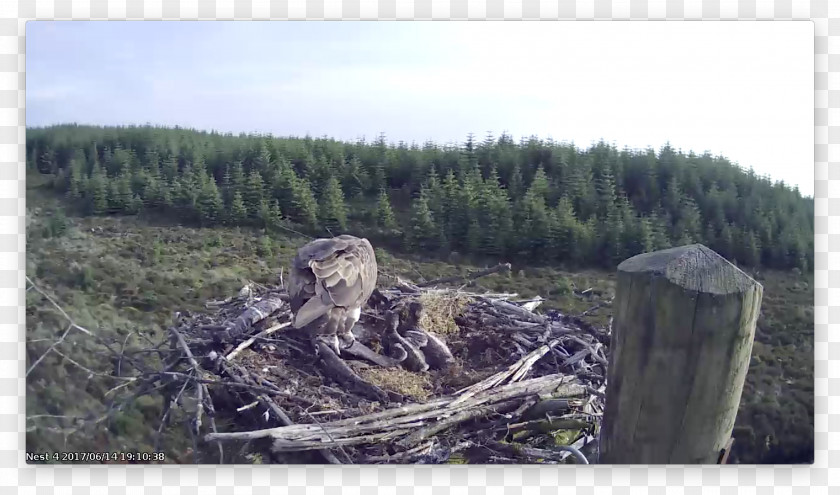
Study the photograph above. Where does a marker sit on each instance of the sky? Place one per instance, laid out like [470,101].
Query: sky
[742,89]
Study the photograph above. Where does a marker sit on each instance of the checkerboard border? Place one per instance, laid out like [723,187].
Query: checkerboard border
[429,479]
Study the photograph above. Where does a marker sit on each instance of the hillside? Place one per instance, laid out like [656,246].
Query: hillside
[118,276]
[548,202]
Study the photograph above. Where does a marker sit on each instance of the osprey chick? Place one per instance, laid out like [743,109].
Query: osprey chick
[329,282]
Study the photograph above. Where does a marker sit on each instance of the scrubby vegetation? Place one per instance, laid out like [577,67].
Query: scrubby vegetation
[127,225]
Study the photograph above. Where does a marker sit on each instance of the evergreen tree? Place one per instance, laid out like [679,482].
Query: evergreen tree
[355,180]
[170,169]
[539,184]
[384,213]
[254,193]
[305,207]
[567,230]
[237,178]
[605,188]
[422,232]
[210,203]
[333,211]
[516,185]
[238,211]
[77,182]
[97,199]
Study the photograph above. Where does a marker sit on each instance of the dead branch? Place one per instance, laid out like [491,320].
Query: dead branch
[500,268]
[244,345]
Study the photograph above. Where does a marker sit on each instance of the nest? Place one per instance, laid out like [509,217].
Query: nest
[519,387]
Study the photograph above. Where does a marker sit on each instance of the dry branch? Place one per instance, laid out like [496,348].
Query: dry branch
[500,268]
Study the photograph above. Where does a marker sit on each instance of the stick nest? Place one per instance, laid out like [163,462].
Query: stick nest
[523,386]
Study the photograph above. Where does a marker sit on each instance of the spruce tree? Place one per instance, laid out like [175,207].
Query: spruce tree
[422,232]
[210,203]
[333,210]
[97,199]
[384,212]
[254,193]
[305,207]
[238,211]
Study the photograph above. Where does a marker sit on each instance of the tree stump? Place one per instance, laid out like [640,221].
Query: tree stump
[682,338]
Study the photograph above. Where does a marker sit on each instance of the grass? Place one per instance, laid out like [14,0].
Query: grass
[123,277]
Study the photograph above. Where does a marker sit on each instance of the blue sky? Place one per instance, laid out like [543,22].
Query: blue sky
[740,89]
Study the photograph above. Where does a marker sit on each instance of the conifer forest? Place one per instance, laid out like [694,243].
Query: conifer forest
[539,200]
[488,199]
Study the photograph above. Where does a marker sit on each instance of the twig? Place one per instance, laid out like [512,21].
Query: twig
[95,373]
[501,267]
[165,416]
[244,345]
[340,447]
[248,406]
[515,372]
[239,376]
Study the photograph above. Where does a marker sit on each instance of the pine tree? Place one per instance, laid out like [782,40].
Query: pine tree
[605,187]
[567,228]
[275,215]
[262,160]
[724,244]
[422,233]
[539,184]
[238,211]
[610,236]
[750,251]
[450,196]
[516,185]
[384,212]
[333,210]
[78,181]
[283,185]
[494,217]
[254,193]
[119,193]
[186,192]
[97,199]
[170,169]
[237,178]
[210,203]
[305,209]
[637,236]
[355,180]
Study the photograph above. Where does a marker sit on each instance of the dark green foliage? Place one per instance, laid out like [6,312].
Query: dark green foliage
[333,211]
[238,211]
[384,212]
[422,233]
[540,199]
[253,193]
[304,205]
[210,203]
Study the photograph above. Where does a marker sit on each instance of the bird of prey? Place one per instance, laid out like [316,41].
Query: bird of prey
[329,282]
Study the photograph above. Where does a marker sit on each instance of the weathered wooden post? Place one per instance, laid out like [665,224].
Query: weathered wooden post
[682,337]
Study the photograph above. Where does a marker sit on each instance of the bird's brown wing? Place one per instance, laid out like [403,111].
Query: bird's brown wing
[330,273]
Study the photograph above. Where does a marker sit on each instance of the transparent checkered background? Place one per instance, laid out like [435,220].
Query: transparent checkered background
[16,474]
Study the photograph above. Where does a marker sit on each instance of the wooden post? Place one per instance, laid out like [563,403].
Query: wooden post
[682,337]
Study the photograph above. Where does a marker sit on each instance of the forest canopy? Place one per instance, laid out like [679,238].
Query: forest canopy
[537,200]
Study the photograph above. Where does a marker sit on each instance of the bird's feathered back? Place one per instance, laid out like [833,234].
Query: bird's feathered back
[338,272]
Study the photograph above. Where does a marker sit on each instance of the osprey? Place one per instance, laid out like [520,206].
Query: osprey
[330,280]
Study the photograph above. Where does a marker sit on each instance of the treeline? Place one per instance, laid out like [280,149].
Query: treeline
[536,200]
